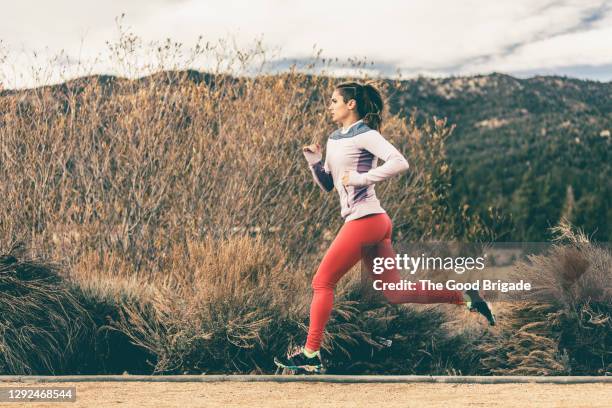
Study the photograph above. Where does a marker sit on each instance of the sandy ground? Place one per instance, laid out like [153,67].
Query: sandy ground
[225,394]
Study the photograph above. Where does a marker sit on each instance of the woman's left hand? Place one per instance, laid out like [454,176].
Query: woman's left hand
[352,178]
[345,179]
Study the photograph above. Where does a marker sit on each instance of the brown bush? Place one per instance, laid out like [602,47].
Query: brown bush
[564,326]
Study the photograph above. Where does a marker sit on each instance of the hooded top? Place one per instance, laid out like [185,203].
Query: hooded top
[356,150]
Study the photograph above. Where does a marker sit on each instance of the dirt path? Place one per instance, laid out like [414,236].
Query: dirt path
[253,395]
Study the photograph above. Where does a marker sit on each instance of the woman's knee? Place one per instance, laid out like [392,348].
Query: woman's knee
[320,282]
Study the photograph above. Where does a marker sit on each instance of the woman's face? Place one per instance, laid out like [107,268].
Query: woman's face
[339,109]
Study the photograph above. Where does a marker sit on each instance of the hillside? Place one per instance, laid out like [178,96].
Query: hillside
[535,148]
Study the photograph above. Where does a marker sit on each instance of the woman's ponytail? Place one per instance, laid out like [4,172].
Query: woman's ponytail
[374,105]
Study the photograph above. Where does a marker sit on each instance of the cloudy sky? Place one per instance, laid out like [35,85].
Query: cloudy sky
[417,37]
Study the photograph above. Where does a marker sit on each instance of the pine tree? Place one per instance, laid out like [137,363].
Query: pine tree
[567,211]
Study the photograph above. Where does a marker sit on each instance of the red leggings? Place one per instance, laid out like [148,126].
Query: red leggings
[373,231]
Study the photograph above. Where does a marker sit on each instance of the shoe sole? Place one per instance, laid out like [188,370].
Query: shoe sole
[308,369]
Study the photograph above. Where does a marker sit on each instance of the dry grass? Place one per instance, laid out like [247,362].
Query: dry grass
[565,325]
[41,322]
[526,343]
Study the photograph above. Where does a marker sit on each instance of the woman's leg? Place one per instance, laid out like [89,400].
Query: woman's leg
[341,256]
[384,249]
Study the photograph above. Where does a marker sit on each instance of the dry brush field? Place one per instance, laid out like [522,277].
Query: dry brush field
[169,224]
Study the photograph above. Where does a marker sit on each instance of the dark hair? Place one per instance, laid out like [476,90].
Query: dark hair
[368,99]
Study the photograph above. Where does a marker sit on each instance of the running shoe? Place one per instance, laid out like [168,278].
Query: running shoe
[475,303]
[299,363]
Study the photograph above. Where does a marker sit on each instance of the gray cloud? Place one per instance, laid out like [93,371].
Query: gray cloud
[428,37]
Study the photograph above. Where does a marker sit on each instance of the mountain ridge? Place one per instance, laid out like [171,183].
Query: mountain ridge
[523,146]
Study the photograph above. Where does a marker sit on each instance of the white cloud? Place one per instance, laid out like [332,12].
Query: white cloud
[443,36]
[589,47]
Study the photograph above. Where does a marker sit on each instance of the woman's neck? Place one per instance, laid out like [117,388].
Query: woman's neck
[346,125]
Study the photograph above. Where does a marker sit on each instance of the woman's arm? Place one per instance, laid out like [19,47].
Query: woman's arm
[395,162]
[320,171]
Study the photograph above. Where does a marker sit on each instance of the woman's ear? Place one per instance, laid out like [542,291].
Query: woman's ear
[351,104]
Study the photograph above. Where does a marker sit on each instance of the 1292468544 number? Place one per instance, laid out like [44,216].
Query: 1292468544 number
[14,394]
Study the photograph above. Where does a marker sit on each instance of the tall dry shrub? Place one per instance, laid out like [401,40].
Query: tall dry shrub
[131,167]
[226,304]
[41,322]
[564,326]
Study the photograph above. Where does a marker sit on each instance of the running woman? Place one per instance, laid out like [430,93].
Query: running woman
[351,167]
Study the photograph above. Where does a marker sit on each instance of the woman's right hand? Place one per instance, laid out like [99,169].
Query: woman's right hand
[313,148]
[312,153]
